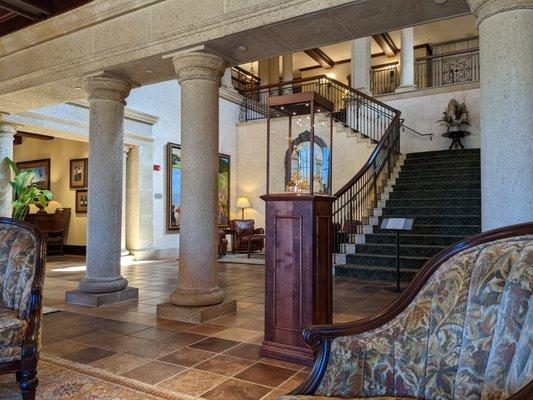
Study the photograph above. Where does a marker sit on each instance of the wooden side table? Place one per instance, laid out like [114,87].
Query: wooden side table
[456,137]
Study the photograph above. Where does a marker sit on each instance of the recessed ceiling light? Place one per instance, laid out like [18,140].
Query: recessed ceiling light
[439,1]
[242,47]
[149,71]
[78,88]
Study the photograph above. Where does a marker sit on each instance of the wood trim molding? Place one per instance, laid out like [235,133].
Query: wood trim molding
[385,42]
[320,57]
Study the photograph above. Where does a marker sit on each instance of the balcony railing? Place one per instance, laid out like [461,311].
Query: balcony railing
[447,68]
[243,80]
[384,80]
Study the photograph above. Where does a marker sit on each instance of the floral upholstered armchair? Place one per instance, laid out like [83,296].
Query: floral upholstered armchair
[463,329]
[21,280]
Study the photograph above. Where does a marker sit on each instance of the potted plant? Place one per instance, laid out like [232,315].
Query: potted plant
[454,116]
[26,192]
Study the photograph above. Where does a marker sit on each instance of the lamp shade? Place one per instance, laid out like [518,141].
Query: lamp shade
[243,202]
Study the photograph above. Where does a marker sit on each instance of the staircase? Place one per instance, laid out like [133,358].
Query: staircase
[441,190]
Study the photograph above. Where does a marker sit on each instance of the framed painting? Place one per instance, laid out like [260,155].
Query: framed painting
[82,200]
[41,169]
[174,187]
[79,172]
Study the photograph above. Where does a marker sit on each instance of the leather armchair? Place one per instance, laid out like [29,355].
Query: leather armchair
[222,243]
[244,228]
[462,329]
[54,228]
[22,255]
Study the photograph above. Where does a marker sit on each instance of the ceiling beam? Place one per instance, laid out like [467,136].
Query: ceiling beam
[320,57]
[386,43]
[39,6]
[23,12]
[34,135]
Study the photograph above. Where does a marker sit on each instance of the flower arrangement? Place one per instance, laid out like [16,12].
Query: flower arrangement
[297,183]
[455,115]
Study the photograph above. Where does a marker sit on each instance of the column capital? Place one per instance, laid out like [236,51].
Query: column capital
[107,87]
[7,130]
[199,65]
[126,149]
[484,9]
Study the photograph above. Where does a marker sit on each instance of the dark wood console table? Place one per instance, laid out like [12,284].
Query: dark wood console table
[456,137]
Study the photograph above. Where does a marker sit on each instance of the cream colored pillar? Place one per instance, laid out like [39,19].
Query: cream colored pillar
[274,70]
[506,84]
[103,282]
[287,72]
[407,61]
[263,70]
[7,133]
[123,250]
[360,67]
[198,296]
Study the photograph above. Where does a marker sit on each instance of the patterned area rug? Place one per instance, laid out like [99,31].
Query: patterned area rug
[61,379]
[255,259]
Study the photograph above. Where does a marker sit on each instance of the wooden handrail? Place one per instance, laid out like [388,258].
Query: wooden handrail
[450,53]
[248,73]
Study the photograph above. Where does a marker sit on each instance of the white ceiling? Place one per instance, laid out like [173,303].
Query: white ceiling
[434,32]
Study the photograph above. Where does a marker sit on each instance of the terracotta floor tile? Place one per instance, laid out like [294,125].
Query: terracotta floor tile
[88,355]
[282,364]
[153,372]
[64,347]
[234,389]
[127,328]
[206,329]
[215,345]
[224,365]
[98,338]
[119,363]
[153,333]
[193,382]
[239,334]
[187,357]
[245,350]
[273,395]
[182,339]
[264,374]
[293,382]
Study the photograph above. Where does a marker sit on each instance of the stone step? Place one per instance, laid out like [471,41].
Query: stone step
[434,202]
[384,260]
[405,250]
[436,194]
[373,272]
[413,239]
[436,229]
[441,153]
[446,220]
[451,185]
[448,172]
[420,211]
[451,160]
[407,180]
[441,165]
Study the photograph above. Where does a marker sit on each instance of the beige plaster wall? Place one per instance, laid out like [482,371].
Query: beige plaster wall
[60,151]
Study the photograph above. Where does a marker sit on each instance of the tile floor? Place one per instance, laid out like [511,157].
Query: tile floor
[215,360]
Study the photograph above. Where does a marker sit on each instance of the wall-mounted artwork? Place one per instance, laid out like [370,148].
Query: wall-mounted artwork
[174,187]
[41,169]
[82,200]
[79,172]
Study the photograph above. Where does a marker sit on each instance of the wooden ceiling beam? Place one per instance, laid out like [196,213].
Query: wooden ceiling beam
[384,40]
[23,12]
[34,135]
[320,57]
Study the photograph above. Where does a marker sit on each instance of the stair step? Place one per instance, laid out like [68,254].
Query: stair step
[407,180]
[405,250]
[442,159]
[441,165]
[441,211]
[434,202]
[385,260]
[448,172]
[436,193]
[446,220]
[436,185]
[441,153]
[442,229]
[413,239]
[373,272]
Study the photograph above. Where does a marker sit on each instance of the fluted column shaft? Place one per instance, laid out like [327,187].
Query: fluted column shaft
[360,67]
[506,85]
[106,142]
[6,150]
[407,61]
[199,76]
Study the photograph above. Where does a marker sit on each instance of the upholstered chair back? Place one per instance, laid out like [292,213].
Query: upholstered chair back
[242,226]
[467,335]
[17,267]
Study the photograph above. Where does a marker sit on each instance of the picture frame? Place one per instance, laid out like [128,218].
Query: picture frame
[174,187]
[41,168]
[82,199]
[79,173]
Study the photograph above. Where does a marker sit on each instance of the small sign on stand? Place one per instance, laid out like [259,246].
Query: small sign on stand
[398,225]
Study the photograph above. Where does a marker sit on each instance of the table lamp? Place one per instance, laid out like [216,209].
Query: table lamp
[243,203]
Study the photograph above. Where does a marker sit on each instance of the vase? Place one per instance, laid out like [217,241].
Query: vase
[454,128]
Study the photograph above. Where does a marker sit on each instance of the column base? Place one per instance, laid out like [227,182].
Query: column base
[102,285]
[80,298]
[406,88]
[285,352]
[143,254]
[197,315]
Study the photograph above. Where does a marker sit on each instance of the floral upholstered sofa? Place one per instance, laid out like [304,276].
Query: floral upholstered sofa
[463,329]
[21,280]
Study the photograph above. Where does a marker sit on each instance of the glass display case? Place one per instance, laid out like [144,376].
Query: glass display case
[299,144]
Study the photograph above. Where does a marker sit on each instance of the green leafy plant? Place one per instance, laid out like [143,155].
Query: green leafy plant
[455,114]
[26,192]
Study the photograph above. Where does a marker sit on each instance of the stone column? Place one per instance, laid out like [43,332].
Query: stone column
[103,283]
[407,61]
[274,70]
[263,70]
[361,57]
[198,296]
[287,71]
[226,78]
[6,150]
[506,84]
[123,250]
